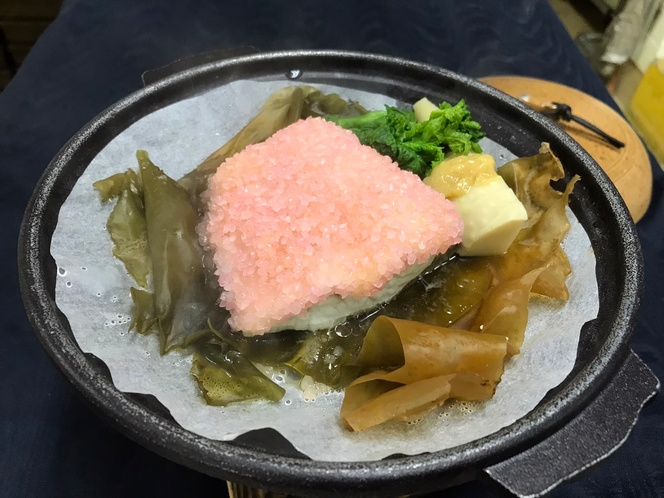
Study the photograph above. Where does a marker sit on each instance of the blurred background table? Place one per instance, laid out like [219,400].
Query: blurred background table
[94,53]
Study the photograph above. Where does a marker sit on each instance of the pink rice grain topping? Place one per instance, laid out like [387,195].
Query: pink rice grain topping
[310,213]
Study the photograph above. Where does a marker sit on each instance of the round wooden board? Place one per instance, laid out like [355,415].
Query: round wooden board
[628,167]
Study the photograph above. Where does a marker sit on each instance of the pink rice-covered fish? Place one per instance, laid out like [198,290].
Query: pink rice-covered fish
[311,226]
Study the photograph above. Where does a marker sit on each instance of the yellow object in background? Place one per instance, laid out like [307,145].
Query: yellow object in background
[647,108]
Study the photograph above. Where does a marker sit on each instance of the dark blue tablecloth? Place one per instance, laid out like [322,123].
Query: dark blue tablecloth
[94,54]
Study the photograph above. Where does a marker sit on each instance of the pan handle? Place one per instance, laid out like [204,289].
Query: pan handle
[600,429]
[153,75]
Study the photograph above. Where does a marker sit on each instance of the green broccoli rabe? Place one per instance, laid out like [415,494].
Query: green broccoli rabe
[417,147]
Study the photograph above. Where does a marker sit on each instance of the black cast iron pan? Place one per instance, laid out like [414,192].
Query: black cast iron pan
[575,426]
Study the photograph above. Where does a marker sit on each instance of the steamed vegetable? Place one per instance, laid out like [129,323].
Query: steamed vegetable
[417,147]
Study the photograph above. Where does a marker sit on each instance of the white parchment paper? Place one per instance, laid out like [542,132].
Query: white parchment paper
[92,290]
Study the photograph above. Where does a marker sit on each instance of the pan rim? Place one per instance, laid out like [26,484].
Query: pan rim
[253,467]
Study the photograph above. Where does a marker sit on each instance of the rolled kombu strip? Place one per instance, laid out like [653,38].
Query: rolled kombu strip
[504,311]
[419,366]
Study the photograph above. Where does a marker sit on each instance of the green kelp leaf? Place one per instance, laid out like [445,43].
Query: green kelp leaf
[111,187]
[327,355]
[182,296]
[224,376]
[127,226]
[144,317]
[318,104]
[128,230]
[268,349]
